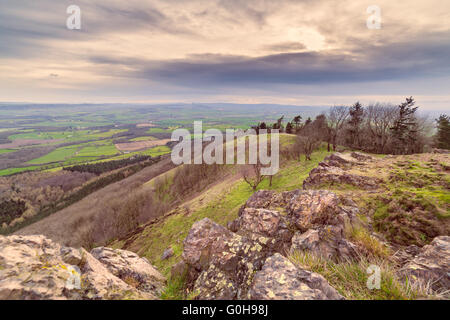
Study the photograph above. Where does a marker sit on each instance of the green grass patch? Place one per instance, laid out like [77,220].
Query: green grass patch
[67,136]
[98,151]
[60,154]
[159,130]
[156,151]
[7,172]
[3,151]
[350,278]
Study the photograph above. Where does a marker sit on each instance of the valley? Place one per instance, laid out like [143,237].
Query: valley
[117,186]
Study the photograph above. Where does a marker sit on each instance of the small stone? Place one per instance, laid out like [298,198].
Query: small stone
[167,253]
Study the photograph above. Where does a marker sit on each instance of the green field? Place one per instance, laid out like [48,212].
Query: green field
[67,136]
[7,172]
[59,154]
[3,151]
[146,138]
[87,133]
[159,130]
[68,156]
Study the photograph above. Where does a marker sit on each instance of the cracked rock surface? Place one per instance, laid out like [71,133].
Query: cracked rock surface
[34,267]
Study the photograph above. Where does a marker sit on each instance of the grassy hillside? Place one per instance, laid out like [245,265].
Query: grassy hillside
[410,205]
[220,203]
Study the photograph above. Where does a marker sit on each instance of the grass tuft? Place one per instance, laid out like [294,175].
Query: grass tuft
[350,278]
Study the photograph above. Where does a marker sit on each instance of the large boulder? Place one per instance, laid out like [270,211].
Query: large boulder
[225,265]
[431,265]
[34,267]
[131,268]
[316,208]
[264,199]
[256,224]
[221,261]
[280,279]
[31,268]
[98,283]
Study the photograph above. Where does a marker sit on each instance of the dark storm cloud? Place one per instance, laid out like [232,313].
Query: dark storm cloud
[394,61]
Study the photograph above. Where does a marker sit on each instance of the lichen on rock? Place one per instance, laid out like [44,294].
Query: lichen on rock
[34,267]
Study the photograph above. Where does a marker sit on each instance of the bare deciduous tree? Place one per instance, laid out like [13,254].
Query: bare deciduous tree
[336,117]
[252,175]
[309,139]
[379,118]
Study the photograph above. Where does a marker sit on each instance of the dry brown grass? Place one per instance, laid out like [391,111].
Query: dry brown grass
[73,225]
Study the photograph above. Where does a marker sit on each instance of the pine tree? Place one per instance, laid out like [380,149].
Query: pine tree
[354,124]
[288,127]
[297,120]
[404,131]
[279,124]
[443,132]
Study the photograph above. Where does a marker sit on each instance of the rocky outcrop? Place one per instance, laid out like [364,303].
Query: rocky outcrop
[361,156]
[332,171]
[280,279]
[431,264]
[248,260]
[34,267]
[404,255]
[225,265]
[316,208]
[131,268]
[303,209]
[221,263]
[338,159]
[257,224]
[327,242]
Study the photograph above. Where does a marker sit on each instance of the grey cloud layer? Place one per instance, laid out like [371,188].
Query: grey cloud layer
[419,58]
[34,29]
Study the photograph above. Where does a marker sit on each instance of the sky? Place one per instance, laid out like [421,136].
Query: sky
[300,52]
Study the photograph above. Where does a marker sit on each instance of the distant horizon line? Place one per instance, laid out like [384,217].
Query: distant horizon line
[160,103]
[4,103]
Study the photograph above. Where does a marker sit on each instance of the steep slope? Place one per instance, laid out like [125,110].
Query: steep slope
[314,244]
[318,234]
[71,225]
[220,202]
[361,185]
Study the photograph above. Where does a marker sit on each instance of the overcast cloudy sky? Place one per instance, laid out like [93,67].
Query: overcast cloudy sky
[304,52]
